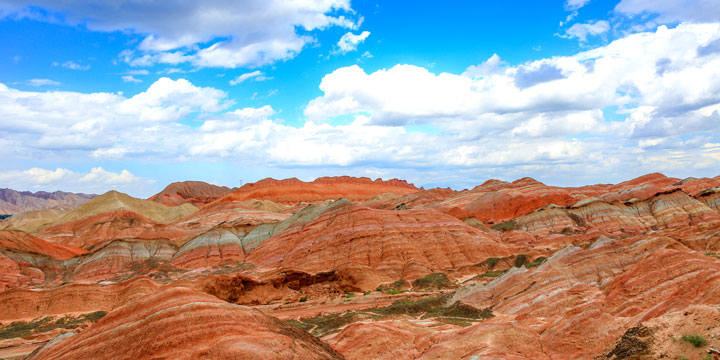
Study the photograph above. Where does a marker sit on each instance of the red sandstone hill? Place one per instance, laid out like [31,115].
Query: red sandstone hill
[197,193]
[385,244]
[290,191]
[180,323]
[18,240]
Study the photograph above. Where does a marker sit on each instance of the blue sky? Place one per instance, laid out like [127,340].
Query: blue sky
[133,96]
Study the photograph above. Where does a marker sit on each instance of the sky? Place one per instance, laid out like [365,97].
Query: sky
[133,95]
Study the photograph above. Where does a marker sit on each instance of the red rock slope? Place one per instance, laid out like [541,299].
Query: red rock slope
[400,244]
[22,241]
[180,323]
[197,193]
[290,191]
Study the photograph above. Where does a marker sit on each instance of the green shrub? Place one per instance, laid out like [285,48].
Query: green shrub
[434,280]
[303,299]
[41,325]
[506,226]
[520,260]
[491,274]
[536,262]
[489,262]
[695,340]
[395,291]
[349,294]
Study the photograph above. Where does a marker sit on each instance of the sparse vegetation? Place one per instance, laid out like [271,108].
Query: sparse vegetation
[395,291]
[395,287]
[4,216]
[537,262]
[431,307]
[349,294]
[490,274]
[713,254]
[489,262]
[520,260]
[506,226]
[303,299]
[41,325]
[434,280]
[695,340]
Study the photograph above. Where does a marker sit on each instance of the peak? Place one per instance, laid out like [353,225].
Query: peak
[527,181]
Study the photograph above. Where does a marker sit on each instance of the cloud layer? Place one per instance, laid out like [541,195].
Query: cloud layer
[203,33]
[647,102]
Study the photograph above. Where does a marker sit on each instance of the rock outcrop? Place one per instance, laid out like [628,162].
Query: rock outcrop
[197,193]
[180,323]
[292,191]
[404,244]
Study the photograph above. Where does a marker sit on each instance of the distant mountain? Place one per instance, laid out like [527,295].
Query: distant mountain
[13,201]
[292,191]
[197,193]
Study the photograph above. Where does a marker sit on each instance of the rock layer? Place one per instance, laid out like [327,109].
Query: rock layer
[291,191]
[197,193]
[179,323]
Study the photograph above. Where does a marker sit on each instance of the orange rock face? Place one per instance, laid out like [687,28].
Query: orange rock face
[22,241]
[197,193]
[291,191]
[403,244]
[98,228]
[179,323]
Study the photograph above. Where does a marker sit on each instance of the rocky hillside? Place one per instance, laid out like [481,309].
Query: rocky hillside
[505,270]
[13,202]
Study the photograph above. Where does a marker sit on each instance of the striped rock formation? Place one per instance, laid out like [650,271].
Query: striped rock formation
[403,244]
[197,193]
[291,191]
[180,323]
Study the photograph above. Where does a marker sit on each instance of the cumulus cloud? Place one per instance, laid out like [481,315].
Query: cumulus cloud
[349,42]
[130,79]
[492,66]
[581,31]
[204,33]
[572,5]
[617,109]
[672,11]
[96,180]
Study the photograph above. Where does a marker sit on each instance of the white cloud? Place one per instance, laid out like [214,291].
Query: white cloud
[581,31]
[671,10]
[100,175]
[130,78]
[239,33]
[492,66]
[349,42]
[72,65]
[257,75]
[572,5]
[97,180]
[138,72]
[42,82]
